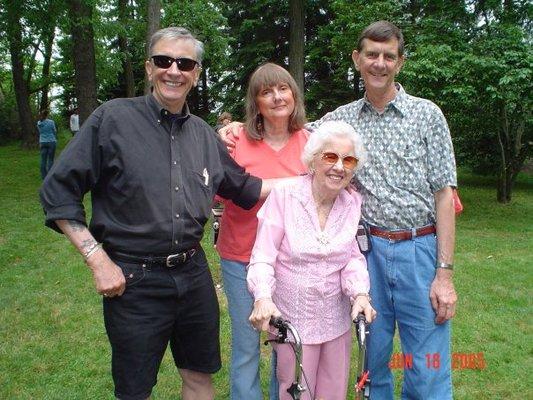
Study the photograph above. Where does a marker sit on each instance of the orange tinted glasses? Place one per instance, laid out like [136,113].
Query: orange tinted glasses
[348,162]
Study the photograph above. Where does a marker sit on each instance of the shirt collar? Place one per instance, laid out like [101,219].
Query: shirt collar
[304,193]
[159,113]
[398,103]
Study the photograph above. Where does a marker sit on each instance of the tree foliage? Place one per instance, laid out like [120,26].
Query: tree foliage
[204,19]
[473,58]
[481,75]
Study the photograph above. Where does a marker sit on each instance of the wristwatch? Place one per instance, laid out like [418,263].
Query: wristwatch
[442,264]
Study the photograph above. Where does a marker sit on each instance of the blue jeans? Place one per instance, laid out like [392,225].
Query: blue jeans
[273,390]
[48,151]
[401,273]
[244,339]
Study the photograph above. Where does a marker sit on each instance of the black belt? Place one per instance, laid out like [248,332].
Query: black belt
[170,261]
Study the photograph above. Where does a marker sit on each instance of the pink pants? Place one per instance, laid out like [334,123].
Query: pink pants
[326,367]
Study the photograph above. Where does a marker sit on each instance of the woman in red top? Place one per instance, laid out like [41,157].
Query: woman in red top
[270,147]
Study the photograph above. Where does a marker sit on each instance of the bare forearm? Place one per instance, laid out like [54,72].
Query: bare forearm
[78,234]
[108,277]
[445,225]
[442,293]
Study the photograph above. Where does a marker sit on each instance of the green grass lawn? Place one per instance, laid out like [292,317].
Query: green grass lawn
[53,343]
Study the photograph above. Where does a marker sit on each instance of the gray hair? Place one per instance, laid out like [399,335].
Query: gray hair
[176,33]
[326,133]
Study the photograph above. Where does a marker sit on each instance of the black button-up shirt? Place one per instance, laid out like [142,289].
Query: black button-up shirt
[152,176]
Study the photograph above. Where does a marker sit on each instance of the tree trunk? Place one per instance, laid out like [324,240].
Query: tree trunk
[193,101]
[503,194]
[522,145]
[14,33]
[297,41]
[30,66]
[48,41]
[504,187]
[515,150]
[154,19]
[129,81]
[83,56]
[205,94]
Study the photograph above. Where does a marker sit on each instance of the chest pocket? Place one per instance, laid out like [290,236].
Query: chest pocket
[409,165]
[198,194]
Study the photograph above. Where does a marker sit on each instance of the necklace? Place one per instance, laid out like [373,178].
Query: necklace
[322,237]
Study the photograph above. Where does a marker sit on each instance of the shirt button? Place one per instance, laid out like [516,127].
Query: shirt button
[177,215]
[174,162]
[172,137]
[175,242]
[176,188]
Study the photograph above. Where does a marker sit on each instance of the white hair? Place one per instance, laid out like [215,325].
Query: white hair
[176,33]
[326,133]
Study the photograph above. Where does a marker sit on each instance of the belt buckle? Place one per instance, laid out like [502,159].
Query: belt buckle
[179,257]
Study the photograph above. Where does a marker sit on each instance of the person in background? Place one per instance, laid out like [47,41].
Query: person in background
[272,142]
[74,122]
[306,265]
[47,141]
[223,119]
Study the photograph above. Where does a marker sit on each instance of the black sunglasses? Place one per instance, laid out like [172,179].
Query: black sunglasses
[165,62]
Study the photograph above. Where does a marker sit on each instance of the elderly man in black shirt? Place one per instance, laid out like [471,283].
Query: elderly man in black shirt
[152,169]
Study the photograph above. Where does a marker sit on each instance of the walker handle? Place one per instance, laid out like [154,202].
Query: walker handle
[276,322]
[361,328]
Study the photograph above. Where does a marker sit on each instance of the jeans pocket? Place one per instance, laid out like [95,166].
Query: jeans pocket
[134,273]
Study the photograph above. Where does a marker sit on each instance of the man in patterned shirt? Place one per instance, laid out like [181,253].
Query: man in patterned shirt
[408,207]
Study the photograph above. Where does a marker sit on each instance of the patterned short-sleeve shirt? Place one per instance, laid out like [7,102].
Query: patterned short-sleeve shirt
[410,157]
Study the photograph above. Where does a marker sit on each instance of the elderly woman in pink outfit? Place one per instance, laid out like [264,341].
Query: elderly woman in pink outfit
[306,265]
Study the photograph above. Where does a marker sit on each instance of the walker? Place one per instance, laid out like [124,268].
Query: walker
[362,386]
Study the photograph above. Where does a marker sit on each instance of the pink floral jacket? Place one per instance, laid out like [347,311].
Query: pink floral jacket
[309,274]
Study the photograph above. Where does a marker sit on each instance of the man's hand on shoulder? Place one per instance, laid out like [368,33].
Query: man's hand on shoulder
[108,277]
[443,296]
[230,134]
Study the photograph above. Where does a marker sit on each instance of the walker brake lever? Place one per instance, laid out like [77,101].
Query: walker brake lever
[281,334]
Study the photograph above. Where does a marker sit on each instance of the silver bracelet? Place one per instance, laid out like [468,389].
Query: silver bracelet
[93,249]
